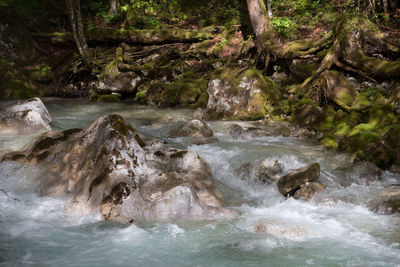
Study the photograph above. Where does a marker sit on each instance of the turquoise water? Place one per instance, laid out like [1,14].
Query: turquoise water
[338,229]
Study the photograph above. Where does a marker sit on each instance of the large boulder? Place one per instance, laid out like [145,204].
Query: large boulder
[237,95]
[111,169]
[294,179]
[25,117]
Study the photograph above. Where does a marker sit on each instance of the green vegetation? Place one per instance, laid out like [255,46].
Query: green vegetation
[323,64]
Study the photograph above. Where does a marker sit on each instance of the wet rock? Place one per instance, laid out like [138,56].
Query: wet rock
[235,131]
[25,117]
[280,229]
[270,170]
[111,169]
[294,179]
[277,128]
[395,168]
[387,201]
[194,128]
[304,133]
[201,114]
[308,190]
[368,170]
[246,171]
[256,132]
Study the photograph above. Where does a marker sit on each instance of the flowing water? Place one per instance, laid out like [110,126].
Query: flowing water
[336,228]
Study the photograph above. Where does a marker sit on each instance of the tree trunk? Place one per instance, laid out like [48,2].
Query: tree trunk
[258,17]
[262,27]
[114,7]
[74,12]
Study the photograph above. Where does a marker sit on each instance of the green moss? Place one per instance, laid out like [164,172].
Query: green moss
[140,94]
[330,142]
[118,124]
[147,36]
[364,127]
[110,71]
[270,90]
[352,22]
[42,73]
[181,92]
[202,101]
[139,141]
[108,98]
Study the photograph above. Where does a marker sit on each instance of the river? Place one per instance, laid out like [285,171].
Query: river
[338,228]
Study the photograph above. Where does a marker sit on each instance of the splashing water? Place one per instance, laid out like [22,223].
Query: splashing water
[336,228]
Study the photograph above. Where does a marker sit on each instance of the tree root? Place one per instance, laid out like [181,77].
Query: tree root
[301,48]
[347,53]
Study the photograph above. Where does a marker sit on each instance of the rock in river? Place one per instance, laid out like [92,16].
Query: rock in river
[294,179]
[194,128]
[308,190]
[25,117]
[270,170]
[111,169]
[280,229]
[387,201]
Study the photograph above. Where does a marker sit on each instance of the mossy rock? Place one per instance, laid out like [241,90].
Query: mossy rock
[180,92]
[108,98]
[245,95]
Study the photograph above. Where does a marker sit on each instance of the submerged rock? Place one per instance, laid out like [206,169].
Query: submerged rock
[110,168]
[294,179]
[280,229]
[25,117]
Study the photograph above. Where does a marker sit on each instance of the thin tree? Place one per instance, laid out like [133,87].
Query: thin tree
[114,7]
[74,12]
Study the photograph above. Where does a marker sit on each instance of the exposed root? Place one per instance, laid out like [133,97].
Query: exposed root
[301,48]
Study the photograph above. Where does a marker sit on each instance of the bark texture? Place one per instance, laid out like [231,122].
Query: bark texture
[74,12]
